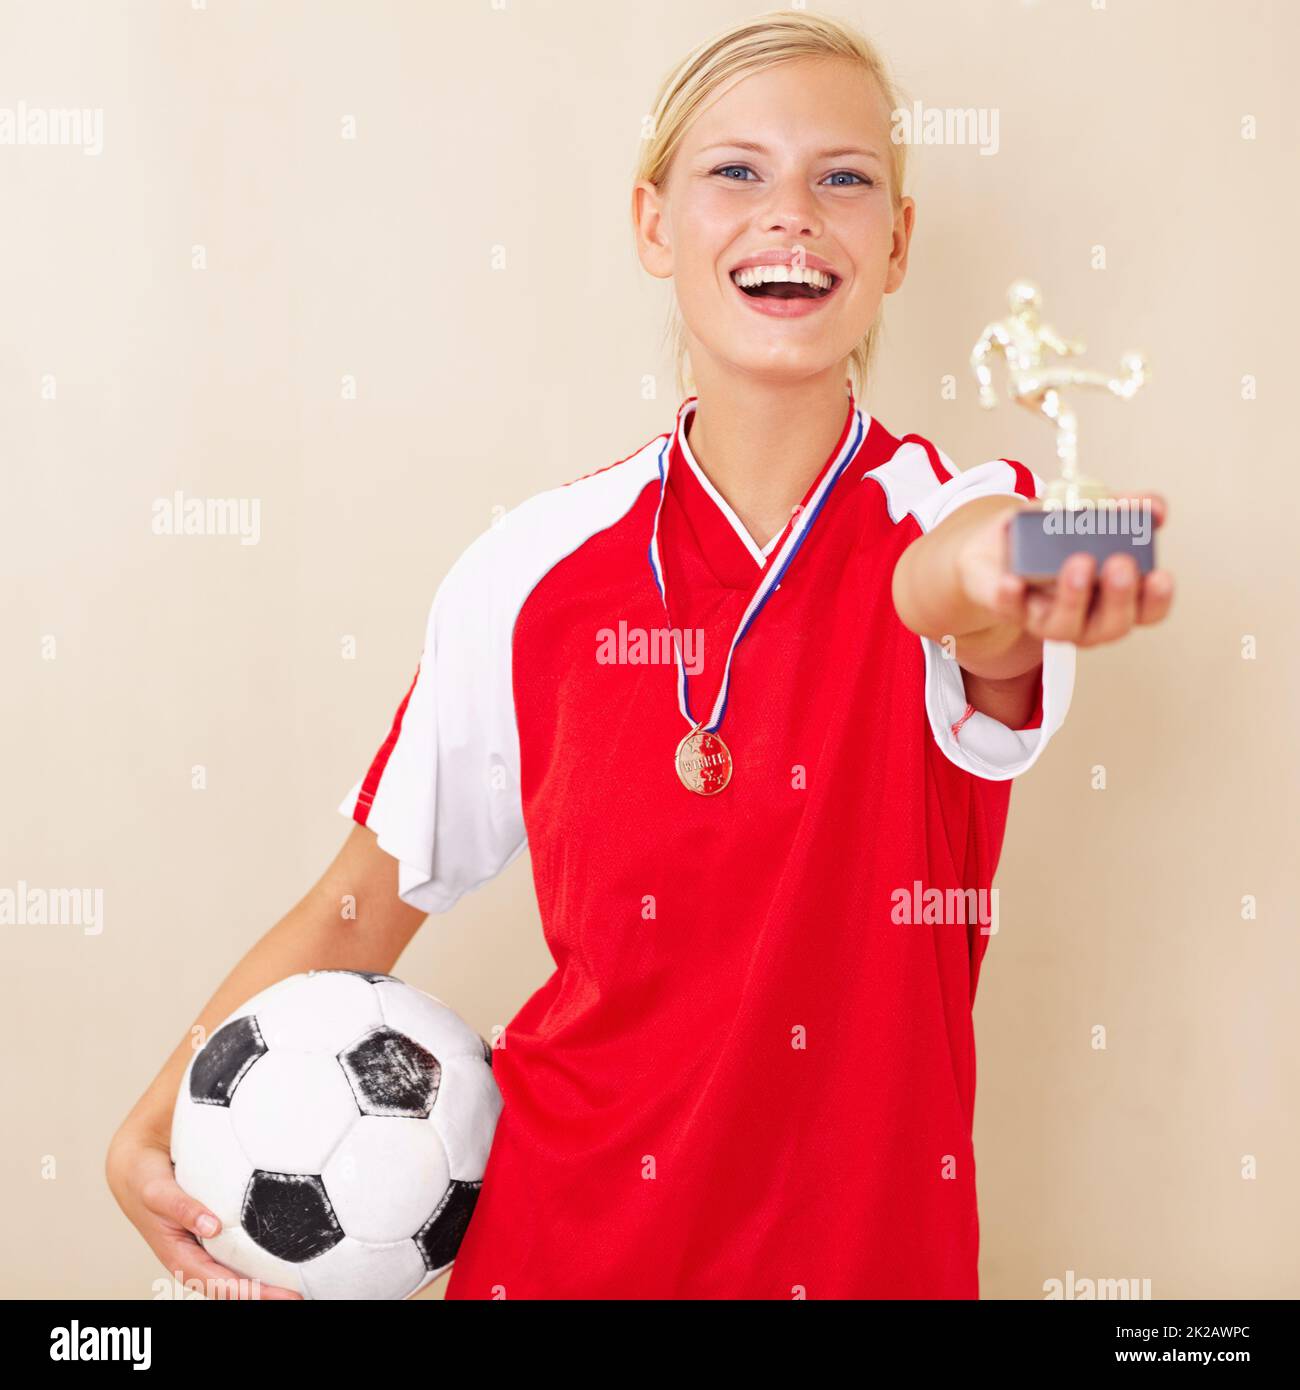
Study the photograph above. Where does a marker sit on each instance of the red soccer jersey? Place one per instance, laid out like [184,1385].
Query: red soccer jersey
[752,1073]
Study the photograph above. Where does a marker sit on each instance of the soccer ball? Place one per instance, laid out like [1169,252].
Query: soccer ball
[339,1125]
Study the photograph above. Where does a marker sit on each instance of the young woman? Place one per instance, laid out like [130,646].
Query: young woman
[752,1073]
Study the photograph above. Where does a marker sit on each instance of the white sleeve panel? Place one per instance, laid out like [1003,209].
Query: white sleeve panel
[446,802]
[980,744]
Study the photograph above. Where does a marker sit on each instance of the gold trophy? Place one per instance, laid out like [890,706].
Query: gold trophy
[1077,514]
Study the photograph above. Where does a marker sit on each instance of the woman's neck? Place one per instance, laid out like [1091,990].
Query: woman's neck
[762,446]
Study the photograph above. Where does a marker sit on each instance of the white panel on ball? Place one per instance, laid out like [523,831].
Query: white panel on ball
[233,1247]
[321,1012]
[410,1155]
[210,1161]
[466,1115]
[291,1110]
[355,1270]
[428,1020]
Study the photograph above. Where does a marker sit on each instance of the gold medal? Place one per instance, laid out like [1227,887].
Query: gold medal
[703,762]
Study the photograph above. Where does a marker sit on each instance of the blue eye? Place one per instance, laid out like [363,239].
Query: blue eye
[841,178]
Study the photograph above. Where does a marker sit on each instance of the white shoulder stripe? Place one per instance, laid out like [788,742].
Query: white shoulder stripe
[911,488]
[536,535]
[907,478]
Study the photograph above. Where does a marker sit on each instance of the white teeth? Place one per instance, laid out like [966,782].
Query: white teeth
[776,274]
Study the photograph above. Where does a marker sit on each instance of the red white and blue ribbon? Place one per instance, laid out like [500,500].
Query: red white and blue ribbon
[773,572]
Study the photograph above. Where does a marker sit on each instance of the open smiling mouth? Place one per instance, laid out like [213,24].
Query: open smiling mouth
[784,282]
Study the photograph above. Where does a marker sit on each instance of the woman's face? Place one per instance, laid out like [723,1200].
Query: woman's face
[789,166]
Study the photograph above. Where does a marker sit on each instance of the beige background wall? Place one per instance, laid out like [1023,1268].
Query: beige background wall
[479,128]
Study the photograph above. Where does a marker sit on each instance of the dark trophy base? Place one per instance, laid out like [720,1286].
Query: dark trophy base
[1042,539]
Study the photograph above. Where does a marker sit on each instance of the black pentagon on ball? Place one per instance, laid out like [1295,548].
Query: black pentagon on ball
[487,1051]
[439,1238]
[391,1074]
[225,1060]
[289,1216]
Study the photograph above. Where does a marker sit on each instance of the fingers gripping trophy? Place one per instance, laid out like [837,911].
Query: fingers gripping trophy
[1078,513]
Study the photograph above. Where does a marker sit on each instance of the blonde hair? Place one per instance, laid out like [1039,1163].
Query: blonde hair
[749,47]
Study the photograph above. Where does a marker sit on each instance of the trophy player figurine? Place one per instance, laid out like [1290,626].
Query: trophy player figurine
[1071,520]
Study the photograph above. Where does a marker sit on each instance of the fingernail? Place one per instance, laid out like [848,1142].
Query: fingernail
[1078,576]
[207,1225]
[1121,576]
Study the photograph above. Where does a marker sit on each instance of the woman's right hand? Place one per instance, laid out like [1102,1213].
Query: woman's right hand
[140,1176]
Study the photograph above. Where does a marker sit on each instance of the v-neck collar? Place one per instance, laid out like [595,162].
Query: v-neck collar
[759,553]
[734,556]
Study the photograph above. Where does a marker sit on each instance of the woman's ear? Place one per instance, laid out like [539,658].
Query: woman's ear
[650,221]
[904,221]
